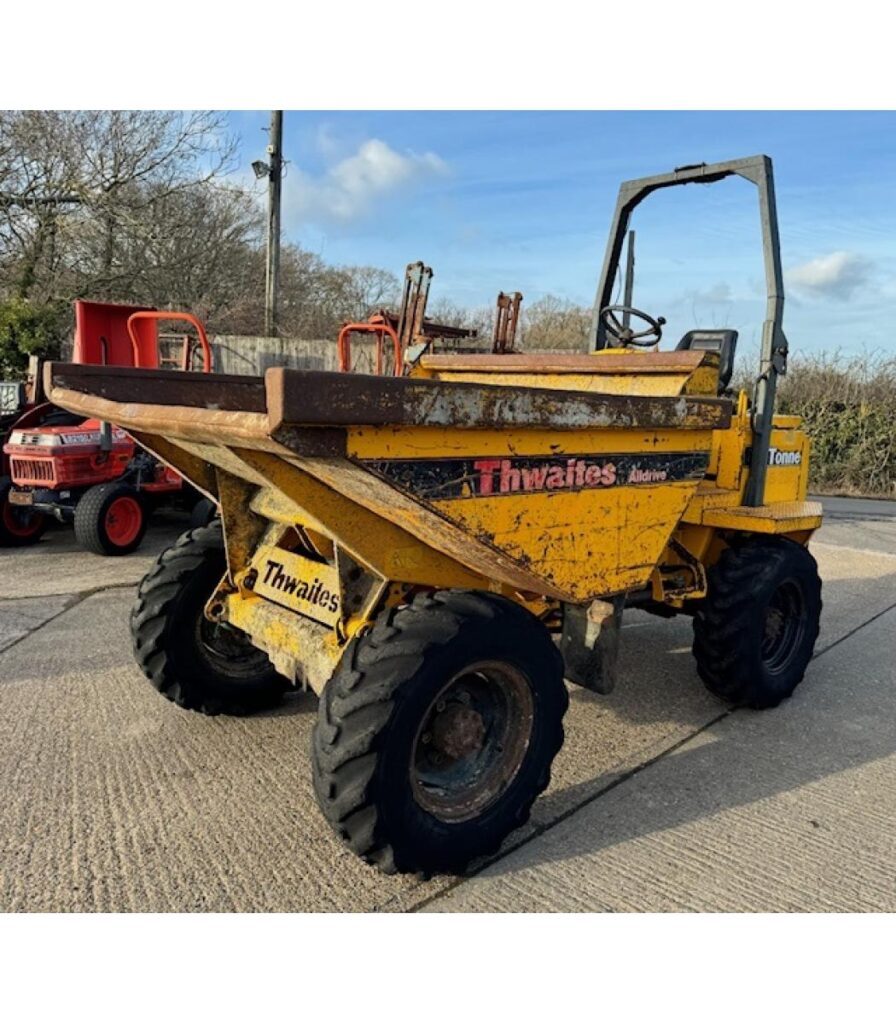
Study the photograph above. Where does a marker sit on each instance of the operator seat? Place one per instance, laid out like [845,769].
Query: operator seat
[723,342]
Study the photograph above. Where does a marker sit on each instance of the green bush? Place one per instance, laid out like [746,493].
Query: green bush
[848,406]
[30,329]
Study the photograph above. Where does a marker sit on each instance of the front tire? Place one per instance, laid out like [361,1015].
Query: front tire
[438,730]
[110,519]
[756,630]
[198,664]
[19,525]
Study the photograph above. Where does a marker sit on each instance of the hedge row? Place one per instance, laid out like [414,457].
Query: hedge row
[848,405]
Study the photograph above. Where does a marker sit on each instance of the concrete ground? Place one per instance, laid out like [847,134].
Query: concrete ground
[661,799]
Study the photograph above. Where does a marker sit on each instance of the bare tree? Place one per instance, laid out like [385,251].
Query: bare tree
[555,324]
[76,185]
[368,289]
[478,318]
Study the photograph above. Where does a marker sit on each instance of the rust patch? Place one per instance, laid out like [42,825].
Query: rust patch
[313,398]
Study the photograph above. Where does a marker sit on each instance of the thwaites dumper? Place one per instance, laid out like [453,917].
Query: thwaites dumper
[88,471]
[433,554]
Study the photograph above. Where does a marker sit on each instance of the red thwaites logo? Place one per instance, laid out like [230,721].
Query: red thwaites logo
[501,476]
[487,476]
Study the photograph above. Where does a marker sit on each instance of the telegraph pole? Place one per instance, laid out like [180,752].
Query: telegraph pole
[272,268]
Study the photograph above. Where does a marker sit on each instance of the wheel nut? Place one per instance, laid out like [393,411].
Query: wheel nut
[440,706]
[426,737]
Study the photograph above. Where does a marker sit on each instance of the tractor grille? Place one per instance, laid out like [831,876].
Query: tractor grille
[66,470]
[27,471]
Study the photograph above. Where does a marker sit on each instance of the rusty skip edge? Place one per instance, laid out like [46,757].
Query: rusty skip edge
[291,399]
[127,385]
[311,398]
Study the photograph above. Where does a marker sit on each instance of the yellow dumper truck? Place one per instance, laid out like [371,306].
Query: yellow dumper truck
[433,554]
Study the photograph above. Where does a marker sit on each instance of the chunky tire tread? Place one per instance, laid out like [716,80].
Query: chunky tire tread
[726,625]
[90,514]
[374,676]
[155,609]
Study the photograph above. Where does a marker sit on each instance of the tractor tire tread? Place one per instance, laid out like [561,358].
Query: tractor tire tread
[89,531]
[149,618]
[721,646]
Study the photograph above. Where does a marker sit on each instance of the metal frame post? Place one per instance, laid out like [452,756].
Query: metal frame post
[773,359]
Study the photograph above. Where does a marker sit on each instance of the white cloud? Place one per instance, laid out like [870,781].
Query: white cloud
[720,292]
[836,275]
[348,189]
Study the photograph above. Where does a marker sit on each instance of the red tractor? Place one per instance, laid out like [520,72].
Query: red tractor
[87,472]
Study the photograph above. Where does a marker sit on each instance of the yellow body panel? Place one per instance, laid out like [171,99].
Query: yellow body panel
[584,541]
[325,526]
[299,648]
[611,371]
[780,517]
[443,442]
[701,382]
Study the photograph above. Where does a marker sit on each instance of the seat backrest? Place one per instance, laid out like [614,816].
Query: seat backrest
[724,342]
[12,398]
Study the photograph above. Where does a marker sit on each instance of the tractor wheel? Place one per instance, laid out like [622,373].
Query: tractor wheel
[756,629]
[19,525]
[202,513]
[437,731]
[198,664]
[110,519]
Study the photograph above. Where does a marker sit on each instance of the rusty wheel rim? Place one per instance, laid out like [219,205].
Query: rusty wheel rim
[472,741]
[784,624]
[228,650]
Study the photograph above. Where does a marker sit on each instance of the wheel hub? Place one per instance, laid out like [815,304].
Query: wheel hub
[783,625]
[123,520]
[458,731]
[472,741]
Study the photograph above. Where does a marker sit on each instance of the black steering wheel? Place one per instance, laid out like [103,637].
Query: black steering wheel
[625,335]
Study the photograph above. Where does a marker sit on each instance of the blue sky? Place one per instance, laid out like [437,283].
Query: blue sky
[522,201]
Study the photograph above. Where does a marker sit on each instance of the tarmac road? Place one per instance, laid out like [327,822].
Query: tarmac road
[661,799]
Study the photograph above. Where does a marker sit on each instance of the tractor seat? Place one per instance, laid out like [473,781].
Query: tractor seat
[723,342]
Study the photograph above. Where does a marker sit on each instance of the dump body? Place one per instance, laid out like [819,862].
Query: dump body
[339,492]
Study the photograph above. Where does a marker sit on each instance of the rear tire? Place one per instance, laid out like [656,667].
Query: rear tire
[756,630]
[438,730]
[202,513]
[195,663]
[110,519]
[19,526]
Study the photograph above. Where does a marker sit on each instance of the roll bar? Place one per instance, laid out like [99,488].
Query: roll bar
[773,360]
[162,314]
[379,326]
